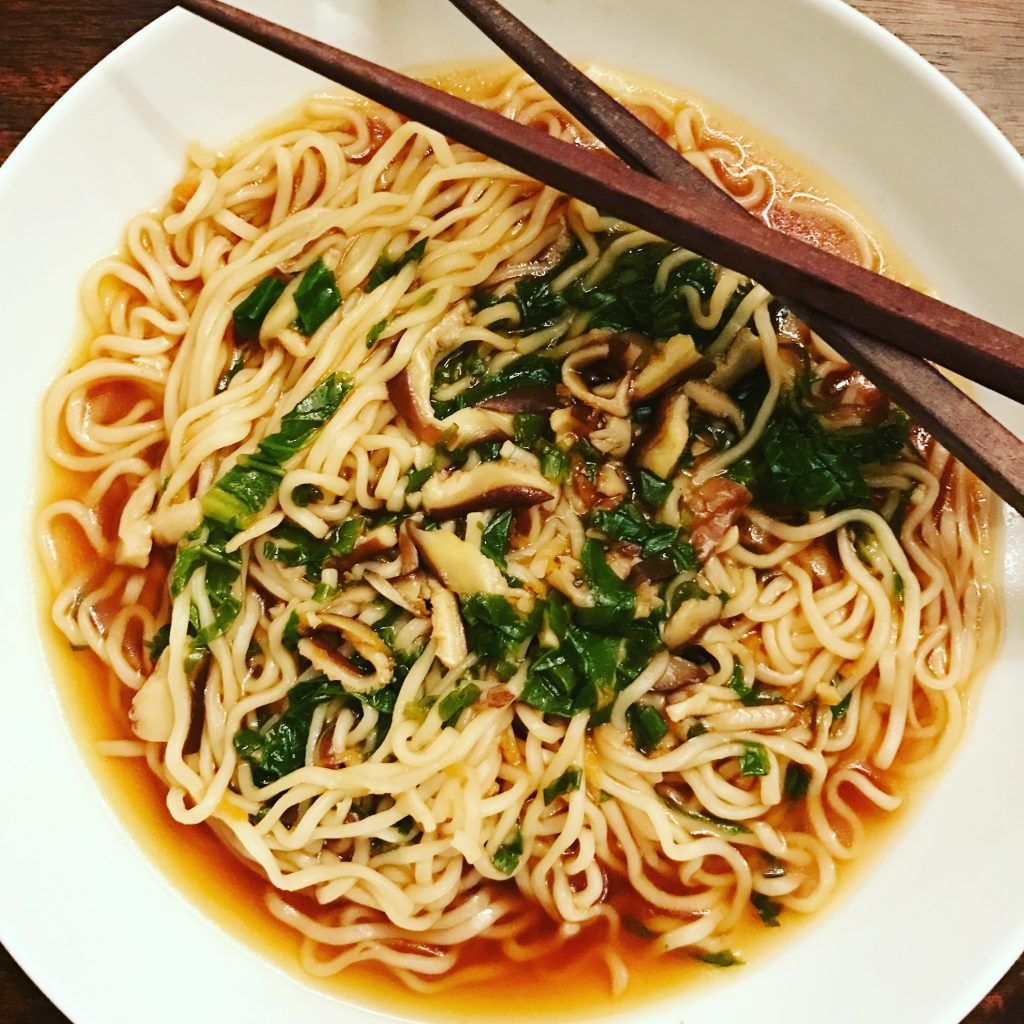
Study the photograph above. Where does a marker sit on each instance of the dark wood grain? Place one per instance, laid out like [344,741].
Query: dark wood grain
[46,45]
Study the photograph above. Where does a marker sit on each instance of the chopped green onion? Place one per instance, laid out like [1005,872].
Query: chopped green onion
[567,782]
[554,463]
[374,333]
[506,857]
[453,703]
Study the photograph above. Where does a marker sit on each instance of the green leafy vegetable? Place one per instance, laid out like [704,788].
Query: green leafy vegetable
[839,710]
[494,628]
[537,303]
[225,612]
[306,494]
[800,465]
[653,490]
[718,824]
[294,546]
[386,267]
[554,463]
[402,829]
[767,909]
[614,603]
[527,371]
[627,523]
[530,427]
[205,548]
[374,333]
[754,760]
[316,297]
[279,747]
[796,782]
[418,477]
[627,298]
[567,782]
[507,856]
[237,363]
[158,644]
[291,634]
[494,541]
[454,702]
[249,314]
[465,361]
[751,696]
[648,727]
[723,958]
[242,493]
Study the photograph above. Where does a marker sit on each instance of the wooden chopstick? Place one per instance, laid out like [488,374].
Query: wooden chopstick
[697,219]
[787,266]
[993,453]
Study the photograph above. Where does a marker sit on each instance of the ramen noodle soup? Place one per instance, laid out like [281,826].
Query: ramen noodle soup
[500,583]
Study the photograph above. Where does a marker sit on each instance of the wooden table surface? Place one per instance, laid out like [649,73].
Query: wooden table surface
[46,45]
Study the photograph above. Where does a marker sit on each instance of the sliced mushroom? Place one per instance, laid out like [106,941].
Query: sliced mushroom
[677,359]
[743,356]
[689,619]
[499,697]
[197,715]
[715,403]
[403,592]
[472,426]
[172,522]
[447,626]
[573,422]
[613,437]
[152,710]
[458,565]
[409,392]
[407,554]
[489,485]
[610,400]
[135,530]
[666,443]
[371,544]
[326,658]
[679,672]
[532,399]
[610,481]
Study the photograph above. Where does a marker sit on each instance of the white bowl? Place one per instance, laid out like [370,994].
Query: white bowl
[938,917]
